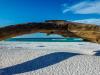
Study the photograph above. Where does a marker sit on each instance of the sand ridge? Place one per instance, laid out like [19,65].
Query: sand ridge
[43,58]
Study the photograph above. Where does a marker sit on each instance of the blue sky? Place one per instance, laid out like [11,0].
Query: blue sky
[21,11]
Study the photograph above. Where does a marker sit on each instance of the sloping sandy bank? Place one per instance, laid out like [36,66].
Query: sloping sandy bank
[43,61]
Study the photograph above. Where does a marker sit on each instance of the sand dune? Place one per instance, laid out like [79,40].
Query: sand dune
[49,58]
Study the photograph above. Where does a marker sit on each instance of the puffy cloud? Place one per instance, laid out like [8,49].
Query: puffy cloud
[89,21]
[85,7]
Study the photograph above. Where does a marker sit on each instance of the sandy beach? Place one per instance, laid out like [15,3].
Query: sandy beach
[49,58]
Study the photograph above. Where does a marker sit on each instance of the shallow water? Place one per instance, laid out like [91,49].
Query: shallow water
[46,39]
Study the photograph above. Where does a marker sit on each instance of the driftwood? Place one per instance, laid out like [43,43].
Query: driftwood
[87,32]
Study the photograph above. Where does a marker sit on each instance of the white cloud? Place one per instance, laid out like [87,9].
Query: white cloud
[85,7]
[89,21]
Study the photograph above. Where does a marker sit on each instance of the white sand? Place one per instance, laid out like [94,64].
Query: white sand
[51,58]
